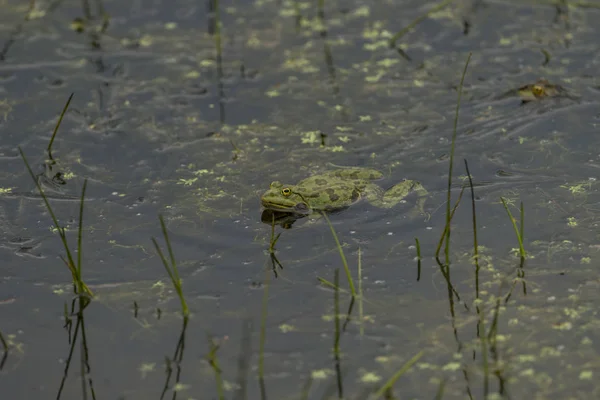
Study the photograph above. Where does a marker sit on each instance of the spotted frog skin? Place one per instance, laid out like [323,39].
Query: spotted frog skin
[339,189]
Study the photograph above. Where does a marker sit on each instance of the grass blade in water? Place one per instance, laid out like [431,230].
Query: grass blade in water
[342,256]
[172,270]
[388,385]
[62,114]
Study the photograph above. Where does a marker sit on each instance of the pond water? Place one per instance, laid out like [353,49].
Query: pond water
[189,109]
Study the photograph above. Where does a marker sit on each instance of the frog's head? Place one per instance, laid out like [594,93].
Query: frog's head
[282,197]
[538,90]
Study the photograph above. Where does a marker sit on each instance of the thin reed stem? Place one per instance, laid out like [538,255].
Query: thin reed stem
[336,311]
[390,382]
[418,245]
[475,243]
[171,269]
[62,114]
[417,21]
[342,256]
[263,328]
[518,231]
[3,341]
[360,296]
[336,337]
[75,271]
[214,363]
[80,230]
[484,353]
[451,164]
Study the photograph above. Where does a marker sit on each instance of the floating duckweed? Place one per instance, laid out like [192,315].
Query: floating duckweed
[158,284]
[321,373]
[502,338]
[273,93]
[311,137]
[316,24]
[523,358]
[370,377]
[59,291]
[586,375]
[207,63]
[548,351]
[364,118]
[578,188]
[171,26]
[453,366]
[571,313]
[253,41]
[343,128]
[5,190]
[362,11]
[380,44]
[146,41]
[572,222]
[527,372]
[300,64]
[192,75]
[36,13]
[586,341]
[373,33]
[563,326]
[344,139]
[388,62]
[287,12]
[285,328]
[187,182]
[178,387]
[327,318]
[374,78]
[145,368]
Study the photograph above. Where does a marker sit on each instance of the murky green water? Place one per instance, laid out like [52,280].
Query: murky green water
[162,122]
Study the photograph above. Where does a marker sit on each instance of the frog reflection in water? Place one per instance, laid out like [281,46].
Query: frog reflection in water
[338,189]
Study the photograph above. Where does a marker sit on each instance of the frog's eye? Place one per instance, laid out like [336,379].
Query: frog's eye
[537,90]
[286,191]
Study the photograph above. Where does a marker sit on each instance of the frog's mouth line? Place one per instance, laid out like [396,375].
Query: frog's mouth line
[299,208]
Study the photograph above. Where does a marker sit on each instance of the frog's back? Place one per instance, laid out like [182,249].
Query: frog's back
[340,178]
[337,188]
[365,174]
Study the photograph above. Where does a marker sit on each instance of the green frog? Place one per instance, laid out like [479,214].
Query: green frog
[536,91]
[338,189]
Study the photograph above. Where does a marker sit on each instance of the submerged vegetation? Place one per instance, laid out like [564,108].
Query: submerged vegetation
[384,333]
